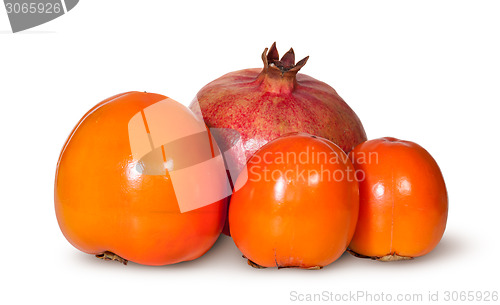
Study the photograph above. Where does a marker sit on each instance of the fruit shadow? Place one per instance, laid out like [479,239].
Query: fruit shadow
[225,254]
[449,248]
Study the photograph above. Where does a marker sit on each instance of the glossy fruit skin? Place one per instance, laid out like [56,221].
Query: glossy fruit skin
[403,199]
[289,221]
[263,104]
[103,204]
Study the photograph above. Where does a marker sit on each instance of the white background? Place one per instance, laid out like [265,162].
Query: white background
[425,71]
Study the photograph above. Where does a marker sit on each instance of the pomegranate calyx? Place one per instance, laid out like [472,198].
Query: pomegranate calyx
[273,54]
[279,76]
[270,57]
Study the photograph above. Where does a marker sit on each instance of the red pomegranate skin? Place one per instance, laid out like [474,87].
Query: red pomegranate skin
[263,104]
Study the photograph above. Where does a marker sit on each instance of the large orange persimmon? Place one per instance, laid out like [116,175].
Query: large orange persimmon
[296,205]
[130,179]
[403,200]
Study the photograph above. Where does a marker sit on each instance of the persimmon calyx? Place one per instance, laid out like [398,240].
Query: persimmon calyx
[386,258]
[257,266]
[110,256]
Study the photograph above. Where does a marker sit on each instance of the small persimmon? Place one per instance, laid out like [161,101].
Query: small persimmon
[403,200]
[296,205]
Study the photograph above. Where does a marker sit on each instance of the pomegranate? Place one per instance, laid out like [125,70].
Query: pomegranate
[263,104]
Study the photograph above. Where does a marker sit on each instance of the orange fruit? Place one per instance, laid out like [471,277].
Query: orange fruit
[403,200]
[116,196]
[296,205]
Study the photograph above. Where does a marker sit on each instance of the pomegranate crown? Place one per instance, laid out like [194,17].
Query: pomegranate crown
[287,62]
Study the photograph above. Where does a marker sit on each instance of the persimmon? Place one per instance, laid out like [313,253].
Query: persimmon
[141,179]
[403,200]
[296,204]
